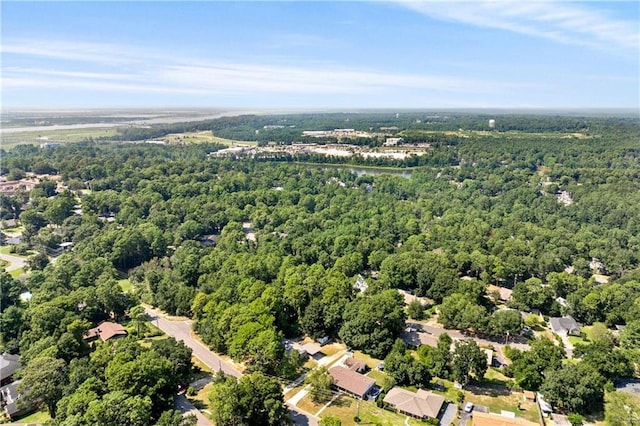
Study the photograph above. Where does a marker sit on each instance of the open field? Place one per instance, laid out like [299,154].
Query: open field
[58,136]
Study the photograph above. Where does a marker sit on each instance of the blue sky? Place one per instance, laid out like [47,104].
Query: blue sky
[382,54]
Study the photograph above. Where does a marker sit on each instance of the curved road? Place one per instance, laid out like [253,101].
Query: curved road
[15,262]
[181,330]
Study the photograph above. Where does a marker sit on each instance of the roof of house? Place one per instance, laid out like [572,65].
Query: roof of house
[311,348]
[350,380]
[504,293]
[10,395]
[563,324]
[9,364]
[354,364]
[489,419]
[106,330]
[420,404]
[415,338]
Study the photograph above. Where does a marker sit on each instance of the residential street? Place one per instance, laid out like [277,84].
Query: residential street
[181,330]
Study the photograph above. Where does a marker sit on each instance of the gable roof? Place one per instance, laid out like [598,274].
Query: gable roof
[351,381]
[9,364]
[105,330]
[420,404]
[489,419]
[564,324]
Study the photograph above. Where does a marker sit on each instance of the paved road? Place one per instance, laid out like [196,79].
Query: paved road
[183,405]
[15,262]
[181,330]
[455,334]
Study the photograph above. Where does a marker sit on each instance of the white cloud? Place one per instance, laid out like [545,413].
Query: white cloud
[132,70]
[565,22]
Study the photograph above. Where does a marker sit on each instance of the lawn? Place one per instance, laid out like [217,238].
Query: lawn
[575,340]
[346,408]
[378,376]
[37,417]
[16,272]
[498,398]
[6,250]
[371,362]
[201,399]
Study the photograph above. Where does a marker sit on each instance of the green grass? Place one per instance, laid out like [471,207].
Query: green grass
[575,340]
[10,140]
[125,285]
[378,376]
[6,250]
[16,272]
[37,417]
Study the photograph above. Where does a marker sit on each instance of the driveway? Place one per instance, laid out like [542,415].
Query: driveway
[449,415]
[15,262]
[183,405]
[463,418]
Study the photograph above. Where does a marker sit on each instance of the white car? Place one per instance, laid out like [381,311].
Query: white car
[468,407]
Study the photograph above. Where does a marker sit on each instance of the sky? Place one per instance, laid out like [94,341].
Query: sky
[337,54]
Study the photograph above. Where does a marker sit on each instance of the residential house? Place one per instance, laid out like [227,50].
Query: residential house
[106,330]
[355,365]
[421,404]
[564,326]
[353,383]
[490,419]
[414,339]
[9,364]
[9,398]
[504,294]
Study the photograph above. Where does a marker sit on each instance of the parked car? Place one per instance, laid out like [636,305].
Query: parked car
[468,407]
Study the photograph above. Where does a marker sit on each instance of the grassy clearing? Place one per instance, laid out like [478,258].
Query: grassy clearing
[125,285]
[58,136]
[498,397]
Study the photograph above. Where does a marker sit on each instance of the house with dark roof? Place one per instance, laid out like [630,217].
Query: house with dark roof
[421,404]
[9,364]
[564,326]
[9,398]
[106,330]
[353,383]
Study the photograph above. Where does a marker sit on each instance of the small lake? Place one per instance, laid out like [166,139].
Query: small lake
[362,171]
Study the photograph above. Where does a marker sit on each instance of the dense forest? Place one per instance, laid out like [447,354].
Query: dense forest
[487,208]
